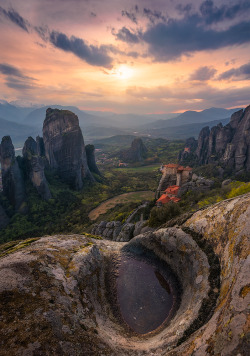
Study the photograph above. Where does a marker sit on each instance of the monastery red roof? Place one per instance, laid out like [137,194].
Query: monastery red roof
[173,189]
[175,199]
[163,199]
[171,165]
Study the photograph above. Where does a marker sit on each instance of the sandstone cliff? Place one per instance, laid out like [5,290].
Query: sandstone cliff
[64,147]
[229,145]
[90,152]
[12,178]
[136,153]
[34,164]
[4,219]
[58,296]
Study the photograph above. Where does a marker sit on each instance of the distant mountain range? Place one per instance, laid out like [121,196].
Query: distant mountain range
[27,121]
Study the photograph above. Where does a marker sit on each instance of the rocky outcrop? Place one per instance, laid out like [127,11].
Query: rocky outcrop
[12,178]
[58,293]
[90,152]
[228,145]
[136,153]
[4,219]
[187,155]
[34,165]
[64,147]
[108,230]
[196,184]
[202,149]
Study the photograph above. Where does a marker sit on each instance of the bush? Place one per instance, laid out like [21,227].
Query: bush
[159,216]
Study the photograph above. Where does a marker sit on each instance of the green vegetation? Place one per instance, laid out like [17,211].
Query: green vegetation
[68,210]
[159,216]
[158,149]
[121,200]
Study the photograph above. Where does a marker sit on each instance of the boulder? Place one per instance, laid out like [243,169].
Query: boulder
[126,233]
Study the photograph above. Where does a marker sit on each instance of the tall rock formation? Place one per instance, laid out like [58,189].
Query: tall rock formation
[90,152]
[12,178]
[136,153]
[34,164]
[187,155]
[4,219]
[228,145]
[64,147]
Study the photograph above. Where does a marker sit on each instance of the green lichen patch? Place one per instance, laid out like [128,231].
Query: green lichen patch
[96,237]
[13,246]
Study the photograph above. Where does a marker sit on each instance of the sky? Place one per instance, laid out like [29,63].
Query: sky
[143,57]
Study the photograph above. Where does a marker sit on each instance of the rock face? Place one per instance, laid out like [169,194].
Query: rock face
[187,155]
[58,296]
[12,178]
[136,153]
[109,230]
[229,145]
[90,152]
[196,184]
[35,164]
[4,220]
[64,147]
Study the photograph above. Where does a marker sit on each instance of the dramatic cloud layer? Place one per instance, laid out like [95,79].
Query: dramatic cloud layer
[125,35]
[183,37]
[14,17]
[241,73]
[96,56]
[15,79]
[203,73]
[136,56]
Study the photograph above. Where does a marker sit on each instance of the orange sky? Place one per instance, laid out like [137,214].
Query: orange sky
[150,58]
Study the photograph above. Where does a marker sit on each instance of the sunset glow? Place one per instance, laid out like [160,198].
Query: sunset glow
[157,56]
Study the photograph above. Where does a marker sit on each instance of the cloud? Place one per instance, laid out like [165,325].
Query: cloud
[93,55]
[184,9]
[15,79]
[7,69]
[196,97]
[19,84]
[131,15]
[154,16]
[241,73]
[169,41]
[203,73]
[14,17]
[43,32]
[125,35]
[214,14]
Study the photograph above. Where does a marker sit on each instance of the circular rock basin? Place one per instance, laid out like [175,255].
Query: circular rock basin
[145,294]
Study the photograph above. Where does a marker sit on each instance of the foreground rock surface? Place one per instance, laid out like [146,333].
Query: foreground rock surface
[55,298]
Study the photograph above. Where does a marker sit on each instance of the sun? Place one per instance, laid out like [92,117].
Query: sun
[124,72]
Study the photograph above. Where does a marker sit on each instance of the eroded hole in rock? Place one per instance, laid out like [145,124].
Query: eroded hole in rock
[148,293]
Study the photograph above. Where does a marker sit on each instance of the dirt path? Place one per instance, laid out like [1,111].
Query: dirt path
[123,198]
